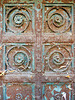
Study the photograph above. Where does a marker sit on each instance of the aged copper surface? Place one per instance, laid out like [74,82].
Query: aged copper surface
[37,50]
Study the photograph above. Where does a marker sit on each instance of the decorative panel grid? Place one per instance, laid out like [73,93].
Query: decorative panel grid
[54,31]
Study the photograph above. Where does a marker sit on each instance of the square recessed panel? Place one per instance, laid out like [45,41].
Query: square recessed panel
[18,18]
[16,91]
[58,57]
[57,91]
[18,57]
[57,18]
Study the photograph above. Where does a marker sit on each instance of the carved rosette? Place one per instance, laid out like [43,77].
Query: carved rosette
[58,19]
[18,58]
[19,96]
[58,58]
[17,19]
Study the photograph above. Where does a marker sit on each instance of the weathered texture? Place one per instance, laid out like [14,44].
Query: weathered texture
[37,49]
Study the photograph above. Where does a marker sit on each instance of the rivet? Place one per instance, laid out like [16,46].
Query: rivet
[70,79]
[38,30]
[18,38]
[38,86]
[29,67]
[46,78]
[43,74]
[40,16]
[57,8]
[58,78]
[38,46]
[70,33]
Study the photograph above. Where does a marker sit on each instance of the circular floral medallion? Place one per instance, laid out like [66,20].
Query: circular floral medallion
[17,19]
[58,19]
[58,58]
[21,58]
[19,96]
[18,58]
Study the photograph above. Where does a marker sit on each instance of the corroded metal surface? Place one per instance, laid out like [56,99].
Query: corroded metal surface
[37,50]
[19,91]
[59,91]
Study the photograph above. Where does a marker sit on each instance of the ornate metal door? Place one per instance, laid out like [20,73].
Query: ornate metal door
[37,50]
